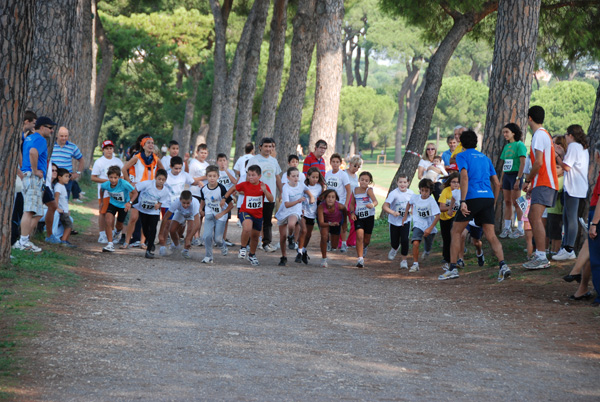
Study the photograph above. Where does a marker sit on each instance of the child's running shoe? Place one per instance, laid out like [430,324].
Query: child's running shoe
[224,250]
[162,251]
[282,262]
[392,254]
[344,247]
[460,263]
[414,268]
[185,253]
[298,258]
[480,260]
[291,242]
[449,275]
[503,273]
[109,248]
[403,264]
[324,263]
[102,238]
[196,242]
[135,244]
[506,232]
[360,263]
[253,260]
[207,260]
[66,243]
[228,243]
[242,253]
[269,248]
[305,256]
[149,254]
[515,234]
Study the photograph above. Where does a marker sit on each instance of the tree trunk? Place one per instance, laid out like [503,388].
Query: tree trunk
[433,82]
[253,31]
[366,72]
[413,97]
[512,74]
[359,81]
[347,53]
[409,81]
[185,134]
[330,15]
[268,109]
[289,115]
[16,44]
[200,136]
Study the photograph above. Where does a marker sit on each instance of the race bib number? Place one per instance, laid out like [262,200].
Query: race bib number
[224,180]
[148,204]
[522,202]
[401,208]
[333,183]
[254,202]
[508,165]
[119,196]
[362,213]
[215,207]
[424,212]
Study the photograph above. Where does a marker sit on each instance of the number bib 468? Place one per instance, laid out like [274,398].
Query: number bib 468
[254,202]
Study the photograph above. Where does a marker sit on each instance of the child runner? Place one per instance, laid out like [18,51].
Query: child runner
[331,217]
[475,232]
[513,155]
[353,165]
[197,169]
[426,214]
[447,214]
[227,179]
[251,214]
[60,193]
[363,214]
[215,217]
[153,194]
[293,161]
[396,206]
[554,221]
[316,185]
[184,212]
[337,180]
[290,210]
[173,151]
[99,175]
[121,193]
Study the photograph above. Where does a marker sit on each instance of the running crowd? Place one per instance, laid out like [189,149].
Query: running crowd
[174,198]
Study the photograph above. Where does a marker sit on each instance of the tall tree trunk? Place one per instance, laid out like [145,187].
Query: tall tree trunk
[347,61]
[330,15]
[366,73]
[253,31]
[463,23]
[409,81]
[268,109]
[185,134]
[512,74]
[359,81]
[16,44]
[413,105]
[289,115]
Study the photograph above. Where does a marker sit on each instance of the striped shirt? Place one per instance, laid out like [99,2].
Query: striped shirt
[63,156]
[310,161]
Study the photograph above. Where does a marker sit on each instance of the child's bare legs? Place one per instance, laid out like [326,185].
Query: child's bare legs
[305,234]
[296,230]
[478,245]
[174,230]
[555,246]
[110,223]
[360,238]
[133,217]
[225,231]
[254,235]
[163,231]
[415,249]
[463,240]
[586,274]
[582,259]
[324,235]
[366,240]
[66,234]
[283,240]
[529,242]
[191,229]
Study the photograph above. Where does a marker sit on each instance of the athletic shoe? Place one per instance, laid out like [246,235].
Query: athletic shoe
[66,243]
[135,244]
[515,234]
[53,240]
[173,247]
[282,262]
[324,263]
[365,251]
[269,248]
[291,242]
[392,254]
[224,250]
[298,258]
[537,263]
[344,248]
[196,242]
[242,253]
[149,254]
[295,246]
[207,260]
[116,234]
[360,263]
[102,238]
[239,224]
[78,201]
[27,246]
[403,264]
[259,247]
[503,273]
[448,275]
[460,263]
[124,246]
[109,248]
[480,260]
[185,253]
[414,268]
[328,246]
[564,255]
[228,243]
[305,257]
[253,260]
[425,255]
[505,233]
[446,266]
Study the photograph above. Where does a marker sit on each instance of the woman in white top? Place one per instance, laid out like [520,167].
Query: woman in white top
[427,160]
[575,164]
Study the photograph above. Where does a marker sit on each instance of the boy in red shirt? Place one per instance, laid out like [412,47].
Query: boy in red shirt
[251,212]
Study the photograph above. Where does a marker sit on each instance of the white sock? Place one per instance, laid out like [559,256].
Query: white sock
[110,243]
[343,243]
[301,250]
[507,223]
[479,255]
[520,225]
[24,239]
[540,254]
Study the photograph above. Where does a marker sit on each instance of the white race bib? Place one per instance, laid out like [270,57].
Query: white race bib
[333,183]
[214,206]
[362,213]
[401,208]
[118,196]
[424,212]
[508,165]
[147,204]
[254,202]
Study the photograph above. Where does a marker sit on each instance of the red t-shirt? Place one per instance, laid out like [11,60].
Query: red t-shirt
[312,161]
[595,193]
[253,198]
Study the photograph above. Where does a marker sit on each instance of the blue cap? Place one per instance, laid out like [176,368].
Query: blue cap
[44,121]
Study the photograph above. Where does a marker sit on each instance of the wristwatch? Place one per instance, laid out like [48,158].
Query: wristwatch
[593,224]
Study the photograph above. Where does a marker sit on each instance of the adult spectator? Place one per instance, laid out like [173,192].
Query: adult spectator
[541,184]
[34,168]
[458,130]
[63,154]
[315,158]
[593,239]
[575,164]
[477,176]
[240,165]
[271,176]
[451,141]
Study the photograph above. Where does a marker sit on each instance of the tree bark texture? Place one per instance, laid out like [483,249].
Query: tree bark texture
[268,109]
[16,43]
[349,46]
[253,30]
[366,72]
[330,15]
[359,81]
[289,115]
[409,81]
[412,104]
[194,76]
[512,73]
[463,23]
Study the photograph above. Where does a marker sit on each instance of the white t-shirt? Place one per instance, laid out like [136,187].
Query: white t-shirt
[353,179]
[177,184]
[186,213]
[541,141]
[63,201]
[101,167]
[424,212]
[240,164]
[212,200]
[197,169]
[224,178]
[310,210]
[399,201]
[362,200]
[166,161]
[576,179]
[270,169]
[290,194]
[337,181]
[284,178]
[150,195]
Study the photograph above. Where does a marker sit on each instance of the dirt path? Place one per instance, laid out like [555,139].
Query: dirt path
[171,329]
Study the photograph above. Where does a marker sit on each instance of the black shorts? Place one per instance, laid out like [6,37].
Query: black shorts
[367,224]
[335,230]
[554,226]
[118,212]
[482,210]
[47,196]
[257,223]
[509,179]
[309,221]
[475,231]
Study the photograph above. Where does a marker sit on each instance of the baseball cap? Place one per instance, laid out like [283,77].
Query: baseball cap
[44,121]
[107,143]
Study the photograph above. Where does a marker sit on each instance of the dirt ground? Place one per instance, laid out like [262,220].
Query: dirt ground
[175,329]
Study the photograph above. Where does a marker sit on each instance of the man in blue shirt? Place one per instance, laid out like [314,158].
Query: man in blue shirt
[35,165]
[451,141]
[63,154]
[477,175]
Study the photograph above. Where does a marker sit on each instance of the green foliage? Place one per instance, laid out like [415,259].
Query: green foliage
[461,101]
[566,103]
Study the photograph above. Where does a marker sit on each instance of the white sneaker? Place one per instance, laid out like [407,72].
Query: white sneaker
[224,251]
[392,254]
[135,244]
[414,268]
[259,247]
[116,235]
[517,233]
[537,263]
[162,251]
[505,233]
[564,255]
[253,260]
[446,266]
[344,247]
[365,251]
[27,246]
[360,263]
[102,238]
[185,253]
[269,248]
[173,247]
[242,253]
[449,275]
[109,248]
[324,263]
[403,264]
[196,242]
[207,260]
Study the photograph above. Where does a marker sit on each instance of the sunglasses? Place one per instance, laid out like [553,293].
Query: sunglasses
[431,149]
[49,127]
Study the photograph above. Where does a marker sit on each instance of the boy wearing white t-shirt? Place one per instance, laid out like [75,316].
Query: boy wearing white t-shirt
[227,179]
[293,161]
[197,169]
[396,206]
[338,181]
[173,151]
[184,212]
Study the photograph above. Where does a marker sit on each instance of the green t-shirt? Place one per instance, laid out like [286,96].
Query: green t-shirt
[511,154]
[558,207]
